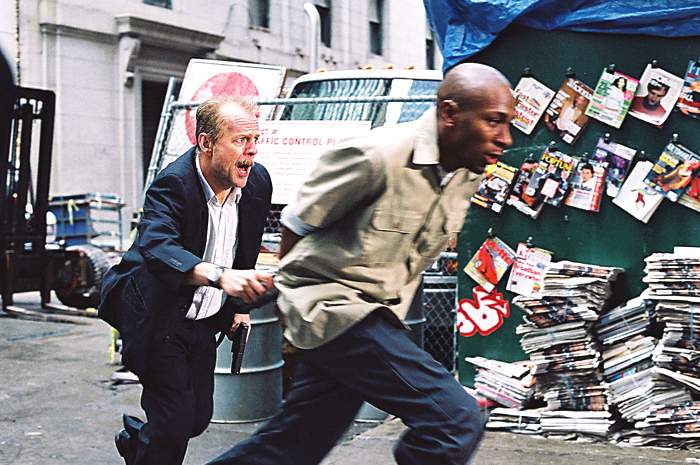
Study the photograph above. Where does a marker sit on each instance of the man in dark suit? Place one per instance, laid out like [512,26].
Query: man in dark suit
[197,243]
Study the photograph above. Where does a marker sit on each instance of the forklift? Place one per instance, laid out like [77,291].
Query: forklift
[27,262]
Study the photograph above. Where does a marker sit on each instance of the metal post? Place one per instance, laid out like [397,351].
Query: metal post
[314,34]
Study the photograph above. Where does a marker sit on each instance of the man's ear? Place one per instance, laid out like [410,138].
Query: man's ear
[204,142]
[447,110]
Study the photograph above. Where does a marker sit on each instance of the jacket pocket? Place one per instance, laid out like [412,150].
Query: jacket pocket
[136,328]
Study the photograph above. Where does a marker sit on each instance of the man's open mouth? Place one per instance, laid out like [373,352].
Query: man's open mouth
[491,159]
[243,167]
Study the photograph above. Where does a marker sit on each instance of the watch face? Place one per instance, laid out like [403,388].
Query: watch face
[214,275]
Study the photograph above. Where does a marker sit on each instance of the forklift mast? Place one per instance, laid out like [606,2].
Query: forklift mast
[26,132]
[22,205]
[26,263]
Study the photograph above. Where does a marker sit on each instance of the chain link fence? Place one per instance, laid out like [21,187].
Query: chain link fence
[440,307]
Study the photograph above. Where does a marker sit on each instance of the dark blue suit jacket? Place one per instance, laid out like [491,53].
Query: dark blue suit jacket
[146,290]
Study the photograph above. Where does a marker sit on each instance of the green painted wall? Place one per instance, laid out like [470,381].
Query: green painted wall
[612,236]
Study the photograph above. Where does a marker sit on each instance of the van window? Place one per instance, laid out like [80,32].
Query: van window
[412,110]
[374,112]
[338,111]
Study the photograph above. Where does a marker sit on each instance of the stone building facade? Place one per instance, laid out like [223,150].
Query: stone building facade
[109,62]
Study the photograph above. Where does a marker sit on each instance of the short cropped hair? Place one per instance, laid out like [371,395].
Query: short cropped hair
[209,115]
[656,85]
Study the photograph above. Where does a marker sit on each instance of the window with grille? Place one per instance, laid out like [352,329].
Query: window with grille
[376,8]
[259,11]
[324,11]
[161,3]
[429,54]
[429,48]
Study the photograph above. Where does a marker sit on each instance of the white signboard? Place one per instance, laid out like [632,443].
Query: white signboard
[290,150]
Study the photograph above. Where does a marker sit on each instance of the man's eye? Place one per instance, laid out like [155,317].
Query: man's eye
[244,140]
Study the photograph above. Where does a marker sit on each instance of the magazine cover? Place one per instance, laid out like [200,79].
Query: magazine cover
[518,198]
[689,101]
[551,181]
[612,98]
[531,100]
[495,186]
[527,273]
[490,263]
[691,198]
[635,197]
[587,185]
[656,95]
[566,115]
[673,171]
[619,159]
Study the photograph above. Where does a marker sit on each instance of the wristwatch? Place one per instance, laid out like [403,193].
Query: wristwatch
[214,275]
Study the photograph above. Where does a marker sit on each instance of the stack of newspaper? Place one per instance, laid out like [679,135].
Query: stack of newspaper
[677,307]
[661,400]
[674,276]
[651,395]
[515,421]
[584,423]
[676,357]
[558,335]
[635,387]
[627,357]
[670,427]
[626,365]
[681,325]
[508,384]
[625,321]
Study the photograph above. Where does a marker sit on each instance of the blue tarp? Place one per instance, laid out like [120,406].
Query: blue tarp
[464,27]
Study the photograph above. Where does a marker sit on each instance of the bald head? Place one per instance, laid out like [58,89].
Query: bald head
[474,110]
[466,83]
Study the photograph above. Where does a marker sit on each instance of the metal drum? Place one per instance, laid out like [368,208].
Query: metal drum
[256,393]
[415,320]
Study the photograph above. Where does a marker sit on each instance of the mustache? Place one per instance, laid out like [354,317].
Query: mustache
[244,163]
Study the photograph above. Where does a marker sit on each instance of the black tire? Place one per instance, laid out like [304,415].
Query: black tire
[88,295]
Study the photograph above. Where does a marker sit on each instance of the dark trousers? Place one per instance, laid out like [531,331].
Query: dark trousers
[177,392]
[377,362]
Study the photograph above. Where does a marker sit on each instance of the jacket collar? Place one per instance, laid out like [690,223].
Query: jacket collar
[425,145]
[209,195]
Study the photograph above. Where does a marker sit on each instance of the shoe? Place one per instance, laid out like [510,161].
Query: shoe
[132,425]
[125,446]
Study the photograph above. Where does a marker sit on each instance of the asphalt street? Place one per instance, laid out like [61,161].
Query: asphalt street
[58,406]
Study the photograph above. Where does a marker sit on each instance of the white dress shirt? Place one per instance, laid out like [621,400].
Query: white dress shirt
[222,239]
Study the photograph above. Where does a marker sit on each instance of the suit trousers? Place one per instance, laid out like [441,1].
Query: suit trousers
[375,361]
[178,391]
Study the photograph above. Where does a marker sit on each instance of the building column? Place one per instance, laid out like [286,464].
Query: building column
[129,122]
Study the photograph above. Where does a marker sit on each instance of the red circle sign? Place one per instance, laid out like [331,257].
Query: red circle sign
[219,85]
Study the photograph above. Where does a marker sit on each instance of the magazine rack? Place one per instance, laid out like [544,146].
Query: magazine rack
[610,237]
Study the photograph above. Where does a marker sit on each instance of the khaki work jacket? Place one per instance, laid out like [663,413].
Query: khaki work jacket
[384,218]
